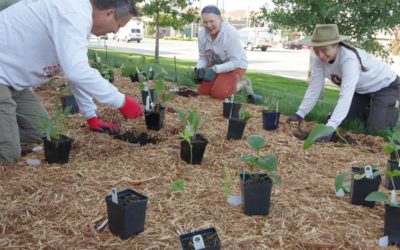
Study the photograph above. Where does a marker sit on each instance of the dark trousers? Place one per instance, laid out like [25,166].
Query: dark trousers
[377,110]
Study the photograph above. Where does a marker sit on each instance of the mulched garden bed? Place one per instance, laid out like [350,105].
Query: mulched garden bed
[59,206]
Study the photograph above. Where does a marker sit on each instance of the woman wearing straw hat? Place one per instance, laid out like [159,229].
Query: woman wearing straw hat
[222,59]
[369,89]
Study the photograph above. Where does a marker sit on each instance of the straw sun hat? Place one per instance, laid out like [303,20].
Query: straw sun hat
[324,34]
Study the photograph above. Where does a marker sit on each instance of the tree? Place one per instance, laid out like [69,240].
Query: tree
[359,19]
[170,13]
[5,3]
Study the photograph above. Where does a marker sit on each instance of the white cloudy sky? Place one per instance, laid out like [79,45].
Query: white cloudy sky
[231,5]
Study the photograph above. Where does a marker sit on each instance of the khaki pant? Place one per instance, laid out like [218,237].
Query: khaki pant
[18,129]
[377,110]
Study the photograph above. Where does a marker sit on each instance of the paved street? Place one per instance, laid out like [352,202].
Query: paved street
[276,61]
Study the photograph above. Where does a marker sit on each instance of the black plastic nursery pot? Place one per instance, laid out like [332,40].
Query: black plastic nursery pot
[199,144]
[270,120]
[360,189]
[57,151]
[235,129]
[127,217]
[392,224]
[209,237]
[392,165]
[155,119]
[256,193]
[228,106]
[71,102]
[153,95]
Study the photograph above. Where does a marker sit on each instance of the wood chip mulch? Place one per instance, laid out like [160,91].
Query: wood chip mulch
[56,206]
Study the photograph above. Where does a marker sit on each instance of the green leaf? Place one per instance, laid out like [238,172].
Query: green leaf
[339,180]
[167,97]
[181,115]
[252,159]
[178,185]
[318,131]
[257,142]
[377,196]
[347,186]
[275,179]
[268,162]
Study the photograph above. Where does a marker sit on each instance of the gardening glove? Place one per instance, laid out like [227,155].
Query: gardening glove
[198,75]
[98,125]
[326,138]
[131,109]
[294,118]
[209,75]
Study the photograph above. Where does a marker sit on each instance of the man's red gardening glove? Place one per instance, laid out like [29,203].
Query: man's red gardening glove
[98,125]
[131,109]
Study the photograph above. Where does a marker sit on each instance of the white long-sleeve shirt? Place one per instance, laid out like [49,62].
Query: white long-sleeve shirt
[41,38]
[225,52]
[347,68]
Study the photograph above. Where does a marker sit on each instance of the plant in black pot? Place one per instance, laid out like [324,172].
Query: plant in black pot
[392,209]
[193,144]
[271,118]
[56,145]
[155,112]
[206,239]
[105,70]
[236,126]
[392,148]
[126,212]
[364,180]
[256,187]
[231,107]
[68,100]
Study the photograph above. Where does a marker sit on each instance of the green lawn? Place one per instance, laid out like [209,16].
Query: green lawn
[289,92]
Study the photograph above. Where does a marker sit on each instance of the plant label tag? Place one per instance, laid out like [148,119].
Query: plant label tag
[114,196]
[383,241]
[232,98]
[148,103]
[368,172]
[340,193]
[198,242]
[393,197]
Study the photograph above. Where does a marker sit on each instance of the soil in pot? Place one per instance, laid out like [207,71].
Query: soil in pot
[363,187]
[141,139]
[392,165]
[231,109]
[155,119]
[392,224]
[199,144]
[209,236]
[57,151]
[186,92]
[127,217]
[235,129]
[71,102]
[256,193]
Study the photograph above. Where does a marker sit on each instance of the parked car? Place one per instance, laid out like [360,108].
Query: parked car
[255,38]
[135,34]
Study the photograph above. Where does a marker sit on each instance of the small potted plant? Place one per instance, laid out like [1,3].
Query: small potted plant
[126,212]
[271,118]
[68,100]
[236,126]
[230,108]
[364,180]
[256,187]
[193,144]
[392,209]
[201,239]
[392,148]
[155,112]
[105,70]
[56,145]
